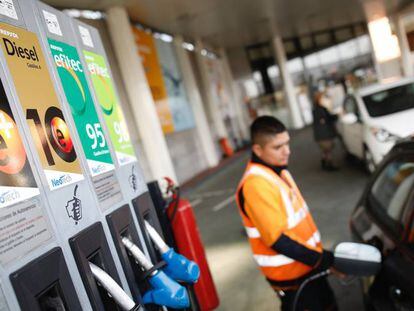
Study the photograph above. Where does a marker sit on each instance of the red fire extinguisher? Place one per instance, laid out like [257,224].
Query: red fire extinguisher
[189,244]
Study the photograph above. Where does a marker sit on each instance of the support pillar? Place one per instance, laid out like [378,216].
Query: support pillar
[203,129]
[289,88]
[139,94]
[242,124]
[406,62]
[386,50]
[213,104]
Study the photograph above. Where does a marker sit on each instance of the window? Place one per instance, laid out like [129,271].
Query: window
[391,191]
[350,106]
[329,56]
[349,49]
[390,101]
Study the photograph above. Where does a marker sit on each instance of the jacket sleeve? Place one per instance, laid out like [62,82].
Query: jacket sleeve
[303,253]
[265,208]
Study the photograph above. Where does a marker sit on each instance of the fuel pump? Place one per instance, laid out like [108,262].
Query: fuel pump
[165,292]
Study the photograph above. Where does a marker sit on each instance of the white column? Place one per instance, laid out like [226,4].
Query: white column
[139,94]
[290,93]
[384,48]
[239,94]
[406,62]
[203,129]
[235,101]
[213,103]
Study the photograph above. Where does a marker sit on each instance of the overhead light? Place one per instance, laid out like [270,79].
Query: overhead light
[73,13]
[87,14]
[166,38]
[208,54]
[188,46]
[385,44]
[211,55]
[163,36]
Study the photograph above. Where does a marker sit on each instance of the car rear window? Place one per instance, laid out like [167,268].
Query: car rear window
[390,101]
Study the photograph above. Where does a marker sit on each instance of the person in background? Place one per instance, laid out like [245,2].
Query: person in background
[324,129]
[284,239]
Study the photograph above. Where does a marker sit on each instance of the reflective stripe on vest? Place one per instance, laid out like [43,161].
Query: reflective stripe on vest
[272,261]
[253,233]
[315,239]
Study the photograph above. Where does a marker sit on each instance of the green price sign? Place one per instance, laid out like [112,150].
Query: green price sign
[111,109]
[75,86]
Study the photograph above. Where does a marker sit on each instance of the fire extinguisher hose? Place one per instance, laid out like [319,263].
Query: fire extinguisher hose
[176,200]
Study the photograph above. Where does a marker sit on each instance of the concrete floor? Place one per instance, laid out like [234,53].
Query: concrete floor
[330,196]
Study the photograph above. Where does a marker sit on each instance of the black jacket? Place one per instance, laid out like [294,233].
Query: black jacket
[323,124]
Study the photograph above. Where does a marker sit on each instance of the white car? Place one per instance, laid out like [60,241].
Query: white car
[375,118]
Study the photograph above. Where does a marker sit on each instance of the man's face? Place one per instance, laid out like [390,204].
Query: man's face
[275,151]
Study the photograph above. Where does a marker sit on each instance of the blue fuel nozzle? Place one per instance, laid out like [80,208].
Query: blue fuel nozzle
[166,292]
[180,268]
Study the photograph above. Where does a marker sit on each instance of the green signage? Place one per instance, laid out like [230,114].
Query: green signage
[76,89]
[111,109]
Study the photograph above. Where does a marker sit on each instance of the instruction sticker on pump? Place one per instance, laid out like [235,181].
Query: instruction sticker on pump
[16,178]
[111,108]
[41,107]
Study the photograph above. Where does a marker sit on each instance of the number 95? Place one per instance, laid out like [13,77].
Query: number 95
[121,131]
[95,133]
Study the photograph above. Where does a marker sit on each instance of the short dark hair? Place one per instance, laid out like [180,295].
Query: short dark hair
[263,127]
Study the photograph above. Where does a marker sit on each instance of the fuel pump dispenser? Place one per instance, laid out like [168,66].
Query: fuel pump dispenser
[34,255]
[129,173]
[55,32]
[57,172]
[73,202]
[74,207]
[61,41]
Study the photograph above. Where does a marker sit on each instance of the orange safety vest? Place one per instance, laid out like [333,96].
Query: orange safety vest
[287,213]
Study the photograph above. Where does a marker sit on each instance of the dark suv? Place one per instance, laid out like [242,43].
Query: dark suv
[384,218]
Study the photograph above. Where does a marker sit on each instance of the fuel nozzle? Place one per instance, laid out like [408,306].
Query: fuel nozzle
[178,267]
[357,259]
[165,292]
